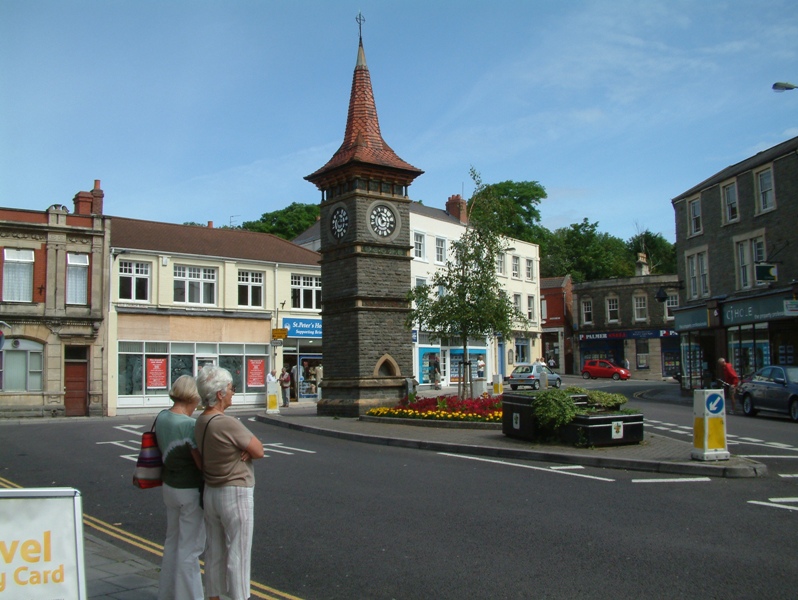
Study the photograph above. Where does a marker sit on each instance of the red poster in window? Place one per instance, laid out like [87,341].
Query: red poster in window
[256,372]
[156,373]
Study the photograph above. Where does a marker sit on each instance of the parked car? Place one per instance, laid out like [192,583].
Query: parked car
[531,375]
[773,389]
[604,368]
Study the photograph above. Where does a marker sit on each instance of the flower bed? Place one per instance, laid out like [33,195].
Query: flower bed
[445,408]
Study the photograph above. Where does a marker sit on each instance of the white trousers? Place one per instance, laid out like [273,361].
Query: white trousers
[229,521]
[185,540]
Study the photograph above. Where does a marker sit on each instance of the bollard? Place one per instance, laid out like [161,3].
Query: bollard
[272,398]
[498,384]
[709,425]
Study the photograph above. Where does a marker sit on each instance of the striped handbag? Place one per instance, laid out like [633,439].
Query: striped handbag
[149,463]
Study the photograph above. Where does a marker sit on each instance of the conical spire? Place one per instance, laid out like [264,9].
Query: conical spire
[363,141]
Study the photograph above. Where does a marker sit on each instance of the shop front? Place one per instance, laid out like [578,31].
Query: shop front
[302,355]
[647,353]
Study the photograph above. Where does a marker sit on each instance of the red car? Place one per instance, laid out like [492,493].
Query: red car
[603,368]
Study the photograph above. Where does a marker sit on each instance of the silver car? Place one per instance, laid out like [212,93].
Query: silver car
[532,375]
[773,388]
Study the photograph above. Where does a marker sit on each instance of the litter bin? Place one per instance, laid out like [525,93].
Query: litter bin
[517,418]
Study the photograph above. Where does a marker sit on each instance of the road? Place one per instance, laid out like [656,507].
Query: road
[339,519]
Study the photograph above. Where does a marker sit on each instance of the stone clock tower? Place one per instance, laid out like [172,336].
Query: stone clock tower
[365,264]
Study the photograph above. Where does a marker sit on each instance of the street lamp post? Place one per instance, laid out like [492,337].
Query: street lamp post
[783,86]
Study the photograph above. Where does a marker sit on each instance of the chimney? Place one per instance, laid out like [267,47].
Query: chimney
[641,266]
[83,202]
[210,224]
[457,207]
[97,196]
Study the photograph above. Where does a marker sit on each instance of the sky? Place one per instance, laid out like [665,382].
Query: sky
[200,110]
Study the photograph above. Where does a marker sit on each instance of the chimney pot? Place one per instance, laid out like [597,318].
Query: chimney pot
[210,224]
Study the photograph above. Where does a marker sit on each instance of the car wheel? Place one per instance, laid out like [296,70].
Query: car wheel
[557,383]
[616,376]
[536,384]
[794,409]
[585,375]
[748,406]
[513,387]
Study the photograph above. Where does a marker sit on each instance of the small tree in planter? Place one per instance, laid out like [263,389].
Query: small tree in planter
[552,410]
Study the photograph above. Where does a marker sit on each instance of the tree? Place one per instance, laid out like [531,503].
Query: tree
[660,252]
[584,253]
[511,209]
[286,223]
[465,299]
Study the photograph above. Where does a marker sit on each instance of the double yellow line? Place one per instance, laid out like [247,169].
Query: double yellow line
[258,589]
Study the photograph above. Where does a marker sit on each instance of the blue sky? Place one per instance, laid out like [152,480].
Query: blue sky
[216,110]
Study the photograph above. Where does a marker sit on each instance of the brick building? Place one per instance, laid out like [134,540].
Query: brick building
[54,283]
[735,239]
[556,318]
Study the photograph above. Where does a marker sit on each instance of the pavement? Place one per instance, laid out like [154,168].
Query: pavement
[114,574]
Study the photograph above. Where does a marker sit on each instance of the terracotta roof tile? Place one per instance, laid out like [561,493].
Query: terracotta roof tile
[363,141]
[192,239]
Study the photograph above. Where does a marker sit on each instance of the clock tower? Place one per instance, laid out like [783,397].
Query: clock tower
[365,264]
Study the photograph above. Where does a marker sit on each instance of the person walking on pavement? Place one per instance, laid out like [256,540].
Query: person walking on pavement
[729,376]
[228,449]
[185,527]
[285,384]
[435,372]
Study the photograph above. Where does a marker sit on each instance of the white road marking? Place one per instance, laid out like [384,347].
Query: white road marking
[777,503]
[673,480]
[574,467]
[122,444]
[748,439]
[788,475]
[509,464]
[280,445]
[133,429]
[766,456]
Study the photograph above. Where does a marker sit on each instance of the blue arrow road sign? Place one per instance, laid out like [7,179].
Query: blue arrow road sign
[714,403]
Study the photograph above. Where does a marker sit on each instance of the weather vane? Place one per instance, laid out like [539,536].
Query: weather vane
[360,20]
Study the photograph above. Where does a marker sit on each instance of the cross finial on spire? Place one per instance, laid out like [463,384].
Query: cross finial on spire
[360,20]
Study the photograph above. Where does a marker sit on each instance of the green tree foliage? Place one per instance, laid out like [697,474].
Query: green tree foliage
[586,254]
[465,299]
[286,223]
[660,252]
[511,209]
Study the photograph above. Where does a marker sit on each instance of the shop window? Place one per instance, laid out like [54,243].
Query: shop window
[521,350]
[134,280]
[77,284]
[641,351]
[21,366]
[17,275]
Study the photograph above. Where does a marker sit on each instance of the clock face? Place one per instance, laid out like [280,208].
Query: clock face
[383,221]
[339,222]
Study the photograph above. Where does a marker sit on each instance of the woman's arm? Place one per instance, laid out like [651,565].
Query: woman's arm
[253,450]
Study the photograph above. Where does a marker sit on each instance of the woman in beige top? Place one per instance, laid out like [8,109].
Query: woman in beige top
[228,449]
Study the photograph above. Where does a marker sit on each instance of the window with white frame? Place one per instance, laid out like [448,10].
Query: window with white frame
[641,308]
[765,199]
[694,214]
[516,267]
[530,269]
[530,308]
[306,292]
[641,351]
[671,303]
[587,311]
[21,366]
[748,252]
[17,275]
[612,310]
[77,278]
[544,313]
[134,280]
[440,250]
[731,213]
[500,263]
[522,350]
[418,245]
[250,289]
[420,281]
[697,275]
[517,302]
[194,285]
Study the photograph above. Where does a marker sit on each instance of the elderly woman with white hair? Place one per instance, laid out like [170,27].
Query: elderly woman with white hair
[228,449]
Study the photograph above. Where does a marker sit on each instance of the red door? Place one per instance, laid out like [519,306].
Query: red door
[76,388]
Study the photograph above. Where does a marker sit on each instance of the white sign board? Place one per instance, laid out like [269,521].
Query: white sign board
[41,544]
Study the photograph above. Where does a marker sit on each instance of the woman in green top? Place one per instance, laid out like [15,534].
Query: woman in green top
[182,476]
